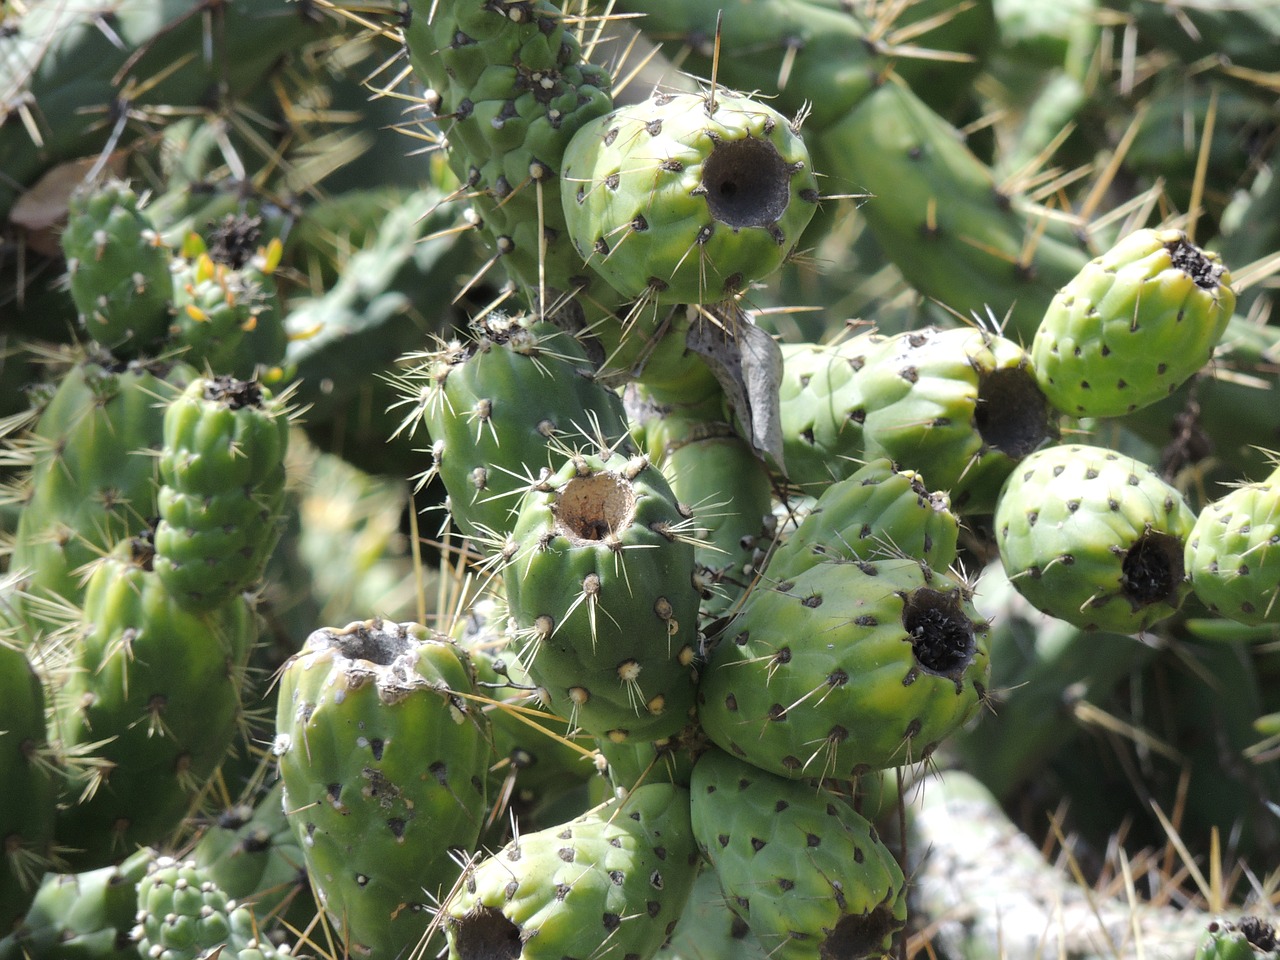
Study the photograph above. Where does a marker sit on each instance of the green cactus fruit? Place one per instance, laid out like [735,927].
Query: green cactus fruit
[82,916]
[878,511]
[668,760]
[960,405]
[687,198]
[221,504]
[849,667]
[610,884]
[598,574]
[384,757]
[1249,938]
[227,314]
[92,477]
[1233,553]
[27,786]
[154,701]
[119,270]
[808,874]
[709,929]
[1094,537]
[184,915]
[498,407]
[1133,325]
[250,851]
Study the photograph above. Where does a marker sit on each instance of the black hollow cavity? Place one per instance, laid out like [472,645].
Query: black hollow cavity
[485,934]
[369,641]
[860,936]
[236,394]
[747,183]
[1152,569]
[1258,933]
[1012,414]
[1190,259]
[234,240]
[941,635]
[594,507]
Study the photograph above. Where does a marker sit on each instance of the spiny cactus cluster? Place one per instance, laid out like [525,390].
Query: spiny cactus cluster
[719,579]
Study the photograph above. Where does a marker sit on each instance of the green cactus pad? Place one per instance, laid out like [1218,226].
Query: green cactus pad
[687,198]
[119,270]
[1094,537]
[598,573]
[878,511]
[384,758]
[1133,325]
[610,884]
[1233,553]
[806,872]
[849,667]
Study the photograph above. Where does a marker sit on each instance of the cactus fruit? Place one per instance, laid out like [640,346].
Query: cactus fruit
[119,270]
[1133,325]
[1233,553]
[610,884]
[384,758]
[1094,538]
[806,872]
[155,696]
[876,512]
[687,198]
[496,406]
[598,573]
[850,666]
[220,505]
[1249,938]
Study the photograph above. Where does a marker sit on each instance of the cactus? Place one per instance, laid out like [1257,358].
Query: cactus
[1249,938]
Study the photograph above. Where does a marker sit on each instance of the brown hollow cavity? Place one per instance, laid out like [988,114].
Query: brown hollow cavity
[590,509]
[371,641]
[1012,414]
[485,934]
[747,183]
[860,936]
[1190,259]
[942,637]
[1152,569]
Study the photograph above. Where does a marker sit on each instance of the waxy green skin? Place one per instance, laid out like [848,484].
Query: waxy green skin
[1133,325]
[823,674]
[599,579]
[878,511]
[819,400]
[118,269]
[1066,520]
[499,407]
[1233,553]
[1249,938]
[384,758]
[654,209]
[610,884]
[159,691]
[808,874]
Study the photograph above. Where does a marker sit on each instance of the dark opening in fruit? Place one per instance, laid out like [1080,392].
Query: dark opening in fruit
[747,183]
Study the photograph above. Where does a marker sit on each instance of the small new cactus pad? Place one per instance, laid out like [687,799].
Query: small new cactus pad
[118,267]
[154,699]
[221,504]
[599,578]
[806,872]
[1133,325]
[1094,537]
[849,667]
[495,405]
[610,885]
[384,759]
[1233,553]
[687,198]
[1249,938]
[184,915]
[27,792]
[879,511]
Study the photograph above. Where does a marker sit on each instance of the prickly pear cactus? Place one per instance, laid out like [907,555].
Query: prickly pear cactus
[1094,538]
[384,757]
[1133,325]
[810,876]
[687,198]
[609,884]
